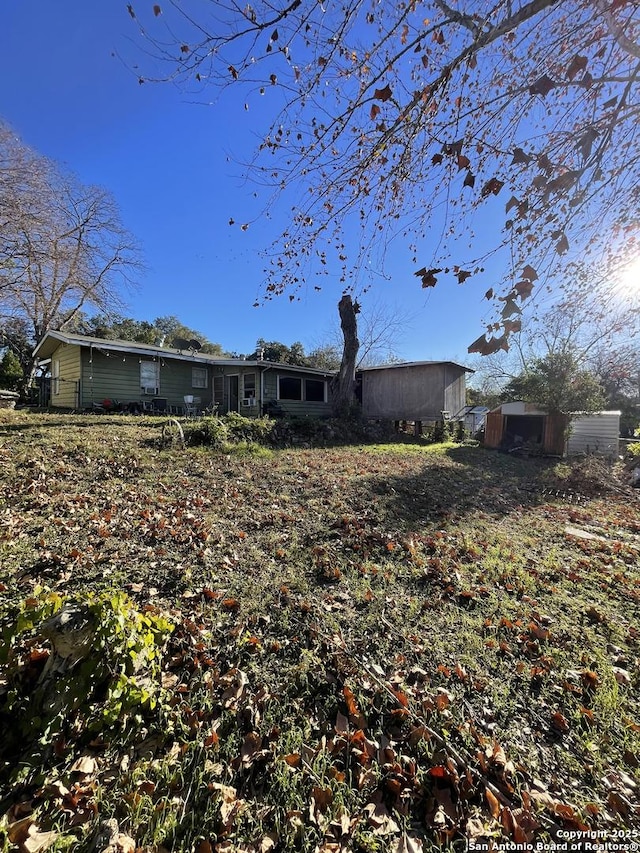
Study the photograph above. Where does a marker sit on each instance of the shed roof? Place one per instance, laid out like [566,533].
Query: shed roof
[520,407]
[474,410]
[404,364]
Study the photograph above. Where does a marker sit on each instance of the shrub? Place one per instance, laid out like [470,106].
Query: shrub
[258,430]
[88,664]
[209,431]
[220,432]
[460,432]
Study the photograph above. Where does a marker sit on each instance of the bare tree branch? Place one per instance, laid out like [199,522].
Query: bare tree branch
[62,247]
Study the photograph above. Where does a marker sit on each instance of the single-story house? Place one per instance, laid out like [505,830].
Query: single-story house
[426,391]
[88,372]
[85,372]
[513,424]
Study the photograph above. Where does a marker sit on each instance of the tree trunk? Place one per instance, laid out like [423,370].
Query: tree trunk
[343,387]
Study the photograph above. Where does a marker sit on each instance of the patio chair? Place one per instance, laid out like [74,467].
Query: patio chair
[191,405]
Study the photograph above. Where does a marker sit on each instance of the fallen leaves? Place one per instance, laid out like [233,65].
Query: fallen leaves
[407,699]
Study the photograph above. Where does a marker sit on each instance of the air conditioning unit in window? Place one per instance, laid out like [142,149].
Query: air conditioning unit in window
[150,389]
[248,401]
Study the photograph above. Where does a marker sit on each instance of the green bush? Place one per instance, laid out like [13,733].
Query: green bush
[220,432]
[211,431]
[460,432]
[91,676]
[256,430]
[634,449]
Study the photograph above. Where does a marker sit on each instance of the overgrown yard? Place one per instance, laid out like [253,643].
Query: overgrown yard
[359,648]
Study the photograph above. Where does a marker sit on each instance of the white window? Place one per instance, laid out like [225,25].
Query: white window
[150,377]
[199,377]
[249,383]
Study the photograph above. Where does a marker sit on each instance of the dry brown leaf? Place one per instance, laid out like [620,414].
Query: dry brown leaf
[18,830]
[85,764]
[268,842]
[37,841]
[493,803]
[121,844]
[407,844]
[342,724]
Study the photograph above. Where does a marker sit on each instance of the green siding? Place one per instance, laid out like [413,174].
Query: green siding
[89,375]
[69,377]
[297,408]
[117,377]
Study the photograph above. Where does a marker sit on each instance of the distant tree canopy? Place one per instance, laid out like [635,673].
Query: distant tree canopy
[279,352]
[11,375]
[618,372]
[595,334]
[163,331]
[459,130]
[324,357]
[557,383]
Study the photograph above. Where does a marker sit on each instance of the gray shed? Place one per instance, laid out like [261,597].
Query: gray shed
[594,433]
[413,391]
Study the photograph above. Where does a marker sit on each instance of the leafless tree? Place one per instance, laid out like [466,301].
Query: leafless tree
[63,247]
[426,122]
[590,320]
[381,330]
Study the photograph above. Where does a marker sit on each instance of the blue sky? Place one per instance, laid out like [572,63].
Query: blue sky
[173,164]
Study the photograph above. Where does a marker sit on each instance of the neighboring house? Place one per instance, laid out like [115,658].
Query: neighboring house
[86,371]
[413,391]
[513,424]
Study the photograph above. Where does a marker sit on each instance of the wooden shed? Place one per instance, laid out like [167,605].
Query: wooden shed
[514,424]
[413,391]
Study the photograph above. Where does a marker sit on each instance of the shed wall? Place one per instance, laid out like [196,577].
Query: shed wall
[596,433]
[419,392]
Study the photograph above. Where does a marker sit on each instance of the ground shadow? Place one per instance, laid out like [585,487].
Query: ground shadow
[81,422]
[478,480]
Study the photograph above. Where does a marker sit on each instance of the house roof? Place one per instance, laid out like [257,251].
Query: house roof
[53,338]
[403,364]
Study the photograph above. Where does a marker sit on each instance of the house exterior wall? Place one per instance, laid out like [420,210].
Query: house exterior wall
[65,389]
[117,377]
[295,408]
[91,374]
[416,392]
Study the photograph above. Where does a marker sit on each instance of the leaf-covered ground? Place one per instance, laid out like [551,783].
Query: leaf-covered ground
[364,648]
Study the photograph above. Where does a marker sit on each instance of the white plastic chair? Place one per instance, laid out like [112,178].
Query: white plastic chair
[191,405]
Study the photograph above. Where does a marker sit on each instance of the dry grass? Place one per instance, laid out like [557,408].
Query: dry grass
[372,646]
